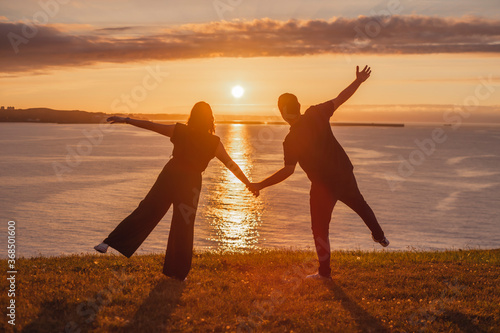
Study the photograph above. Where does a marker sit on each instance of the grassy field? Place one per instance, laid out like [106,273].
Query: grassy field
[452,291]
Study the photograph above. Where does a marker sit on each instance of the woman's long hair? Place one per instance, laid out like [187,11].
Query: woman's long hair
[201,118]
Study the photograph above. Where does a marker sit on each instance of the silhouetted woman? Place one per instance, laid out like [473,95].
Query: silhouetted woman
[178,184]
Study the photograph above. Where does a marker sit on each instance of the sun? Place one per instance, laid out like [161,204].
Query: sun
[237,91]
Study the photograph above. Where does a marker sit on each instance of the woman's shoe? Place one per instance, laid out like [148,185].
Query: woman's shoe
[103,247]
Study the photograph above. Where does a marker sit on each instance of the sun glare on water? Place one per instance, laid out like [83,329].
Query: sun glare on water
[237,91]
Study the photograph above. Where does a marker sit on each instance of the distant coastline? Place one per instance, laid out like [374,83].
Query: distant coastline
[46,115]
[367,124]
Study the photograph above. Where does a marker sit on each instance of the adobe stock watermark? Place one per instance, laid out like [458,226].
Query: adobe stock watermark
[372,29]
[265,308]
[48,9]
[267,134]
[11,272]
[94,137]
[428,146]
[188,209]
[88,310]
[76,153]
[430,311]
[129,101]
[223,6]
[271,132]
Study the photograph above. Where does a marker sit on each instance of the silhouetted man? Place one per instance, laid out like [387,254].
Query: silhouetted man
[312,144]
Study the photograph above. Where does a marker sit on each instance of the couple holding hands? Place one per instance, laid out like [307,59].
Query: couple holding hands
[310,143]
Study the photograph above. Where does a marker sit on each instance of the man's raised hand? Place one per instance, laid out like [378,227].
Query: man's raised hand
[364,74]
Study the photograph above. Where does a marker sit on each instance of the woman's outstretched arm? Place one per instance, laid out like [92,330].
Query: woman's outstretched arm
[224,157]
[167,130]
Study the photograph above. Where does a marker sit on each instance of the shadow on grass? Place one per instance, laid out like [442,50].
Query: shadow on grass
[154,313]
[52,318]
[365,321]
[464,322]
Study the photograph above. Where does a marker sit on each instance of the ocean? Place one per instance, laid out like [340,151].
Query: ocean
[67,186]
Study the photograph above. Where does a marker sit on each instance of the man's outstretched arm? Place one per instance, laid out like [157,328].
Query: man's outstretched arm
[351,89]
[276,178]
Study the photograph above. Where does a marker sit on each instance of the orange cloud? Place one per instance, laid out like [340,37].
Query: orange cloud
[32,48]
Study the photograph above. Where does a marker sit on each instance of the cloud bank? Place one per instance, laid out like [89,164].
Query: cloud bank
[27,47]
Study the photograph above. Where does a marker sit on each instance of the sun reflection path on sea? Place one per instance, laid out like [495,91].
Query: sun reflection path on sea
[234,214]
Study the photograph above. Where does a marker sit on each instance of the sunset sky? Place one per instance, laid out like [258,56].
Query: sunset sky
[163,56]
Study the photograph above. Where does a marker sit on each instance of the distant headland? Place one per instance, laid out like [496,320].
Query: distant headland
[46,115]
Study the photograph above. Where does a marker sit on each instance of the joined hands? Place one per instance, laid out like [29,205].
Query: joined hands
[254,188]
